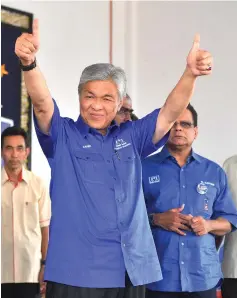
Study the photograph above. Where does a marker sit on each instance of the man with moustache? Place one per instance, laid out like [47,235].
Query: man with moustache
[126,112]
[188,203]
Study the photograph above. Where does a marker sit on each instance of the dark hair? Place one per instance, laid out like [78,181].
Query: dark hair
[194,114]
[14,131]
[134,117]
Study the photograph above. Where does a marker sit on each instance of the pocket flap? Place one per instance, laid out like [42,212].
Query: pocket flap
[88,155]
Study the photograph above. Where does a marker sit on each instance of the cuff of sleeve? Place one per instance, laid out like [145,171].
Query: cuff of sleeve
[152,123]
[162,141]
[44,223]
[165,138]
[56,114]
[47,140]
[232,219]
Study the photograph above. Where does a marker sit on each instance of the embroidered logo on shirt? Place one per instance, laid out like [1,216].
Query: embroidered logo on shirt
[209,183]
[154,179]
[86,146]
[120,143]
[202,188]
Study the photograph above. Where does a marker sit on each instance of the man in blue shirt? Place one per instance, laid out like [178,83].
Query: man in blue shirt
[99,228]
[188,203]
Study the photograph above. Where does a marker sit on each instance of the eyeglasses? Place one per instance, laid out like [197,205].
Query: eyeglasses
[125,112]
[183,124]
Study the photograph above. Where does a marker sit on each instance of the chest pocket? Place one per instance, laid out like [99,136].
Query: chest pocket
[166,194]
[206,201]
[90,166]
[125,163]
[31,213]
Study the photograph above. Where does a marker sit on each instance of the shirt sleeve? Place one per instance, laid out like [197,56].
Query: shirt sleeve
[44,208]
[232,176]
[48,141]
[143,130]
[224,206]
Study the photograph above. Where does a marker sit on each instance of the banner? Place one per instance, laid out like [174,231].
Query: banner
[15,103]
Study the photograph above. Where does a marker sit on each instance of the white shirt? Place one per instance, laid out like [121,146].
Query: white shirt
[26,208]
[229,265]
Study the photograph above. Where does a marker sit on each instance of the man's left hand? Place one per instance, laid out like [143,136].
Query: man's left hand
[200,226]
[41,281]
[199,62]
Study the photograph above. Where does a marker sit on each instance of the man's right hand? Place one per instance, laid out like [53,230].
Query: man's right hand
[27,45]
[173,220]
[26,48]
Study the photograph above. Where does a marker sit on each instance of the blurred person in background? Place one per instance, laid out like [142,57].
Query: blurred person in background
[229,264]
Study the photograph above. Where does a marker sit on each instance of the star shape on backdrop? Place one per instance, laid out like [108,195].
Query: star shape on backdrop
[3,70]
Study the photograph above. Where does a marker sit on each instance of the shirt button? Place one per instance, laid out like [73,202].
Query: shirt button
[184,186]
[182,244]
[124,244]
[182,170]
[182,263]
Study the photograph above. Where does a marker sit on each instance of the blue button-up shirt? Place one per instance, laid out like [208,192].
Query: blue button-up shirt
[189,263]
[99,226]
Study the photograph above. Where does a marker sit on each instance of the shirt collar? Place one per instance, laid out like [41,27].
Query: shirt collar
[85,129]
[164,154]
[82,126]
[22,176]
[196,156]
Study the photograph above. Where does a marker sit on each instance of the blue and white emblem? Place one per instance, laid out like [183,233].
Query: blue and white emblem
[154,179]
[202,188]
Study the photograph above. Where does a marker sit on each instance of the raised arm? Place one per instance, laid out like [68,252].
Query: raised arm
[25,48]
[199,63]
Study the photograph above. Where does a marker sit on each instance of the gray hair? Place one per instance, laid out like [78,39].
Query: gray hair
[104,72]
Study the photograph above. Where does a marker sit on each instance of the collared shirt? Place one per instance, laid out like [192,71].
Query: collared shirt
[229,265]
[189,263]
[99,226]
[26,208]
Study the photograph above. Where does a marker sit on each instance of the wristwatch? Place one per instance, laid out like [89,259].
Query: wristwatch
[28,67]
[151,220]
[42,262]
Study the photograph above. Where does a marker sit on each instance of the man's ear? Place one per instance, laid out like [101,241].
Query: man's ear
[196,132]
[27,151]
[120,104]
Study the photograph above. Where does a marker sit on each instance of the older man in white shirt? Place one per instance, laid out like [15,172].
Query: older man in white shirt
[229,267]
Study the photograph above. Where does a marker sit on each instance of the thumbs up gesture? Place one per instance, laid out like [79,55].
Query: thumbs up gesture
[199,62]
[27,45]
